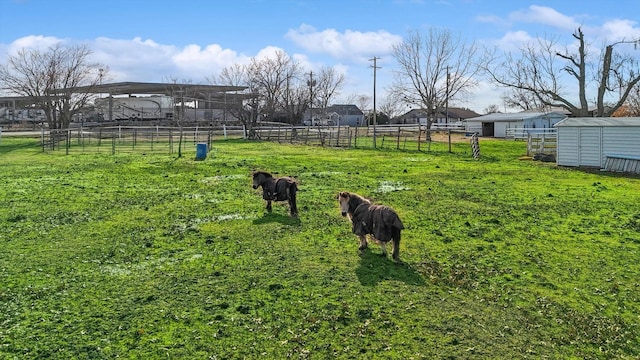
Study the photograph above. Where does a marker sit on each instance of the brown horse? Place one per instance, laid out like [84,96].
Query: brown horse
[379,221]
[277,189]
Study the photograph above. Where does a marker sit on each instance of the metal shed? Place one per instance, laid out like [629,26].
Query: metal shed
[496,125]
[592,141]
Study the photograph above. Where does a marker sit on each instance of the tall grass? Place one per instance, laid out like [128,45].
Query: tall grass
[152,256]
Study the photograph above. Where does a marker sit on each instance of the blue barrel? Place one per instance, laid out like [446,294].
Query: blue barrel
[201,151]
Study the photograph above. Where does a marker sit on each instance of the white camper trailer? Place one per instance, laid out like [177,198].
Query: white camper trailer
[136,108]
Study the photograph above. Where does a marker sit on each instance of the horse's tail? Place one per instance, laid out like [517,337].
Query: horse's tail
[293,205]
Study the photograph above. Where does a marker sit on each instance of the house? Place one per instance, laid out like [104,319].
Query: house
[455,116]
[496,124]
[413,116]
[419,116]
[343,115]
[591,141]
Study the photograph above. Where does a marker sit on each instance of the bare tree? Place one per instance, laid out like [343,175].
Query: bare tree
[541,68]
[247,112]
[276,90]
[520,99]
[51,79]
[632,106]
[295,99]
[272,77]
[362,101]
[327,87]
[392,107]
[492,109]
[435,68]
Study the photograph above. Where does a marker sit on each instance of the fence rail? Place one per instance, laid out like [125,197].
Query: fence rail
[523,133]
[543,143]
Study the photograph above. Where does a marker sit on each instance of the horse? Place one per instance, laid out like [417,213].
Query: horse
[277,189]
[379,221]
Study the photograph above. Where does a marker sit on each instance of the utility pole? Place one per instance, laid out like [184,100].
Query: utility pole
[375,67]
[311,83]
[446,100]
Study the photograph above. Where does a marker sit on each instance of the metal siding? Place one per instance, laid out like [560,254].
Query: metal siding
[567,147]
[589,147]
[500,129]
[621,140]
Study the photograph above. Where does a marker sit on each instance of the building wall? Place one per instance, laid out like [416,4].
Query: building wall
[589,146]
[567,146]
[621,140]
[500,128]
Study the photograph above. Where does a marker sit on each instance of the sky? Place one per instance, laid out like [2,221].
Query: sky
[193,40]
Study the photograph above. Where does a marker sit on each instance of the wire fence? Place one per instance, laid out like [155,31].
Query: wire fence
[400,137]
[118,139]
[171,140]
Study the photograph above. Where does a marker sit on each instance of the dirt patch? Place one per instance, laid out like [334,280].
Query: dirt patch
[455,138]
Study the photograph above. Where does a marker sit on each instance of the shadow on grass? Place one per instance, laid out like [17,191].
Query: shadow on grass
[279,218]
[375,268]
[8,145]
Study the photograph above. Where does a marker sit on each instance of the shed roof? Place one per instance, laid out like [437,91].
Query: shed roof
[516,116]
[599,122]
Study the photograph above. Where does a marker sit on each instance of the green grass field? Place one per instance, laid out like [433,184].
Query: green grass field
[149,256]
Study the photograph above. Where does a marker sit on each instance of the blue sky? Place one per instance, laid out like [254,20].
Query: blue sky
[193,40]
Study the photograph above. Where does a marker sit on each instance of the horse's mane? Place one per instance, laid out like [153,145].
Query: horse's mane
[262,173]
[356,200]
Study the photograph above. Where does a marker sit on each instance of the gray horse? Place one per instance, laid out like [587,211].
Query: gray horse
[277,189]
[379,221]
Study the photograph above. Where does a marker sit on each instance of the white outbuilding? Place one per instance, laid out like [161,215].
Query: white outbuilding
[498,124]
[606,143]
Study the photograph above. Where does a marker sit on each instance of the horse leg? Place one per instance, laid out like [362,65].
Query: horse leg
[363,242]
[396,245]
[269,206]
[293,207]
[383,246]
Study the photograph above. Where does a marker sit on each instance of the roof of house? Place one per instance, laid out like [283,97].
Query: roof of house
[599,122]
[461,113]
[414,113]
[344,109]
[458,113]
[516,116]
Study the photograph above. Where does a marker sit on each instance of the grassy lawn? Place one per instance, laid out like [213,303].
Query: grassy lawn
[149,256]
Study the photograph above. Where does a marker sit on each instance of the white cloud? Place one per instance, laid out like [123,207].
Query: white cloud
[268,52]
[32,42]
[135,59]
[619,29]
[546,16]
[491,19]
[140,59]
[484,95]
[209,60]
[27,42]
[348,45]
[513,40]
